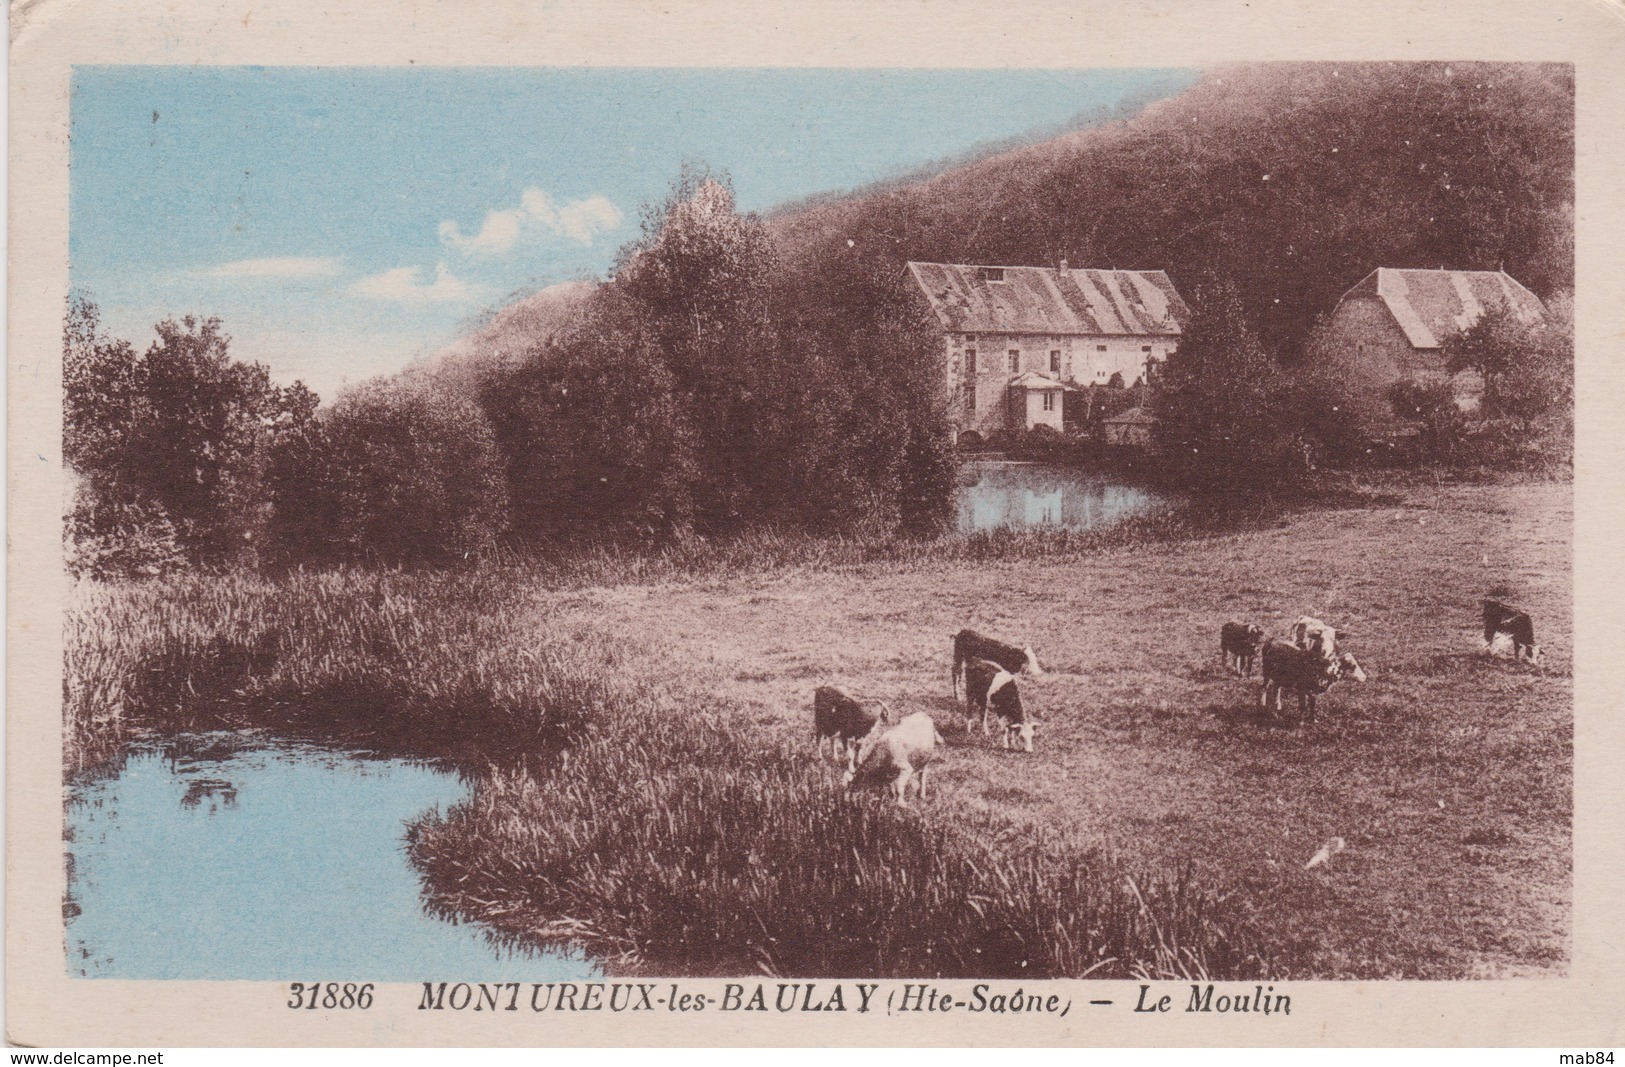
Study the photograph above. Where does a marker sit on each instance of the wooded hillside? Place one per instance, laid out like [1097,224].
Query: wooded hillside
[1289,181]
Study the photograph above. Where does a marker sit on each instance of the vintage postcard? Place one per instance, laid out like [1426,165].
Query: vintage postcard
[874,524]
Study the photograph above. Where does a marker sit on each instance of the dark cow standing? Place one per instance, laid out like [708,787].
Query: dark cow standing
[969,645]
[1304,672]
[989,687]
[1500,618]
[844,719]
[1240,641]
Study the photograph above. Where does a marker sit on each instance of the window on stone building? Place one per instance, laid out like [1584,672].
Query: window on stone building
[1055,361]
[1049,401]
[1015,360]
[1100,348]
[970,362]
[993,274]
[970,397]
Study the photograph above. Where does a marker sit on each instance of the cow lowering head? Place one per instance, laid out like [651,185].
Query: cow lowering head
[1019,735]
[1349,667]
[1031,666]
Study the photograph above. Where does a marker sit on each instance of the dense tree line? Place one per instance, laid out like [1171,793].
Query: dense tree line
[711,386]
[706,389]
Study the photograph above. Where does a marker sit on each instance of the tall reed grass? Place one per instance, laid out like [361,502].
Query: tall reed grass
[652,827]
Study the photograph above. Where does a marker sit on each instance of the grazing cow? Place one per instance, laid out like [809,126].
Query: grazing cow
[1500,619]
[969,645]
[989,686]
[890,759]
[1304,672]
[844,719]
[1240,641]
[1315,636]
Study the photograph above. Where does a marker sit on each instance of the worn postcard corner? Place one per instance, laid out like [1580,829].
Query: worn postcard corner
[885,525]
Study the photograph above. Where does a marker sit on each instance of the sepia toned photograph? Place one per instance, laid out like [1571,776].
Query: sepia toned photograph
[555,525]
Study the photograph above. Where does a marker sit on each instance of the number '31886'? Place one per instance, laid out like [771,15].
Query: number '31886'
[330,995]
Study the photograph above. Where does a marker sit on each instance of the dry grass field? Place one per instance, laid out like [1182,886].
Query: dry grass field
[1449,773]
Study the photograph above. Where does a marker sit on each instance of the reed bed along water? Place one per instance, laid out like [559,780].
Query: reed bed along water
[611,809]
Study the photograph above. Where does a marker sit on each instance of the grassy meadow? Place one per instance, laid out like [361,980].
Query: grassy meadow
[642,821]
[637,734]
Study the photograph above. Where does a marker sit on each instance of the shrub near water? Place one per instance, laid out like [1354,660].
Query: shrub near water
[422,664]
[648,827]
[731,864]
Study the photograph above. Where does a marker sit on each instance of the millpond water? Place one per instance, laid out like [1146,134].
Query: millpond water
[995,494]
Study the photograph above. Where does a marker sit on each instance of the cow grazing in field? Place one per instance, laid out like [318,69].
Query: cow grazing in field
[989,687]
[1500,619]
[1240,642]
[844,719]
[1304,672]
[1316,636]
[890,759]
[969,645]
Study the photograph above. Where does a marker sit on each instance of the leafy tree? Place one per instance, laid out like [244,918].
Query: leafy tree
[1336,402]
[400,473]
[111,536]
[200,447]
[1225,412]
[711,387]
[597,436]
[1430,405]
[1527,367]
[102,394]
[170,446]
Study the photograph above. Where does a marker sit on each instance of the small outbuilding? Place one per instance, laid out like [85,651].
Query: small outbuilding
[1035,400]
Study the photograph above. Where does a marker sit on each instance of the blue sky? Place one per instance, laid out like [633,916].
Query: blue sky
[343,221]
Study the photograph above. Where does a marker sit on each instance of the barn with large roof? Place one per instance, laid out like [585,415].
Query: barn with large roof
[1394,323]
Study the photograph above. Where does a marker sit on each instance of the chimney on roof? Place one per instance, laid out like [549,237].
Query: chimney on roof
[1063,264]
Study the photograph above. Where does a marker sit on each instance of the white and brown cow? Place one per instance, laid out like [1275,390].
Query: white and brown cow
[890,759]
[969,645]
[991,688]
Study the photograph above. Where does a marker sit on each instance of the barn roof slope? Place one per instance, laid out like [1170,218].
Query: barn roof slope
[1433,305]
[978,299]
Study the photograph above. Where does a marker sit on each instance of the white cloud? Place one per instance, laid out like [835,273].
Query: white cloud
[278,267]
[579,220]
[404,285]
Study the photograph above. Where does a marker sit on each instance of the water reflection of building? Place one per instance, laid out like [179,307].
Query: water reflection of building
[1023,495]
